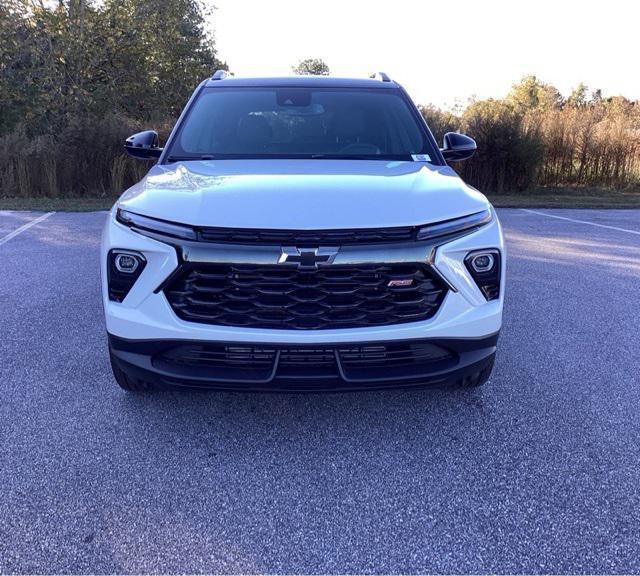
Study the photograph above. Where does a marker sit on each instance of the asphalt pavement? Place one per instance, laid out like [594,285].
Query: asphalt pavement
[539,471]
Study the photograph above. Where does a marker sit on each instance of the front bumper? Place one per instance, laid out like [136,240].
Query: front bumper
[241,366]
[150,342]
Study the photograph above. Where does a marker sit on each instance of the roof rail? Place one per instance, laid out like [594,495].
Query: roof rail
[220,75]
[381,76]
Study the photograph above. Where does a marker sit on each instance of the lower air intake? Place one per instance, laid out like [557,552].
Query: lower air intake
[261,364]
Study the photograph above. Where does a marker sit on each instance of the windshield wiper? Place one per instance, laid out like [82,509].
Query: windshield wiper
[186,158]
[351,157]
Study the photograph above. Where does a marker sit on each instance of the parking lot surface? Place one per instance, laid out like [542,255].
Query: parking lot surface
[539,471]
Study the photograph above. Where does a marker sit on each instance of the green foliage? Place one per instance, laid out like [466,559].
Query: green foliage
[311,67]
[531,94]
[78,76]
[579,97]
[138,57]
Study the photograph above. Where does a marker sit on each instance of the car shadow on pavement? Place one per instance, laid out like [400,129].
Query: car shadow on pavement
[264,421]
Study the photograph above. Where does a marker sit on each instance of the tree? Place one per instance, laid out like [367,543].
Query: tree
[81,57]
[311,67]
[579,97]
[440,121]
[531,94]
[78,76]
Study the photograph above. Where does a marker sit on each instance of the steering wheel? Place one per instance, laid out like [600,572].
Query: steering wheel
[359,148]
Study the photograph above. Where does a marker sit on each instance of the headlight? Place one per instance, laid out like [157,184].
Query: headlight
[454,226]
[144,224]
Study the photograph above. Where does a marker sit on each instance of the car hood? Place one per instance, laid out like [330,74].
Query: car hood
[302,194]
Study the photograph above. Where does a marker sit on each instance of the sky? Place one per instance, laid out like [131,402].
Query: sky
[442,52]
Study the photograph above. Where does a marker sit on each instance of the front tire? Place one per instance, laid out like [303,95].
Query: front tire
[480,377]
[127,381]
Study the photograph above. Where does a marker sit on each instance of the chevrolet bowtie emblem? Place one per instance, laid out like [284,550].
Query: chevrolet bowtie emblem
[309,258]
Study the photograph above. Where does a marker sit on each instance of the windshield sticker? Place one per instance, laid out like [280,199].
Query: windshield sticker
[421,157]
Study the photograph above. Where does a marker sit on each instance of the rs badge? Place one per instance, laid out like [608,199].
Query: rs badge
[398,283]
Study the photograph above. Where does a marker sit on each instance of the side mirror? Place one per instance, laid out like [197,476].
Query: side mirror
[457,147]
[143,145]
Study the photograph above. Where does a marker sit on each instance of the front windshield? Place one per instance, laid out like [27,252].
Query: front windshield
[300,123]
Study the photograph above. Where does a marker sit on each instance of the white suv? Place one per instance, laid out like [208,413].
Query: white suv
[301,234]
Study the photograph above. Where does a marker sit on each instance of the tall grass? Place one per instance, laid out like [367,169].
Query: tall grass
[84,159]
[596,144]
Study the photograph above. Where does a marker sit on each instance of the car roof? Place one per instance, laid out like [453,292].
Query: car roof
[304,81]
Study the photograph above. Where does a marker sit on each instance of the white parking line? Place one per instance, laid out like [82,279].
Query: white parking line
[24,227]
[636,232]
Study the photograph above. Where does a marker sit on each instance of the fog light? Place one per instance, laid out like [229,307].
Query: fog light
[126,263]
[482,262]
[484,267]
[123,270]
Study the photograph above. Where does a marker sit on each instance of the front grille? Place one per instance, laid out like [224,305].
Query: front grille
[303,238]
[262,364]
[337,296]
